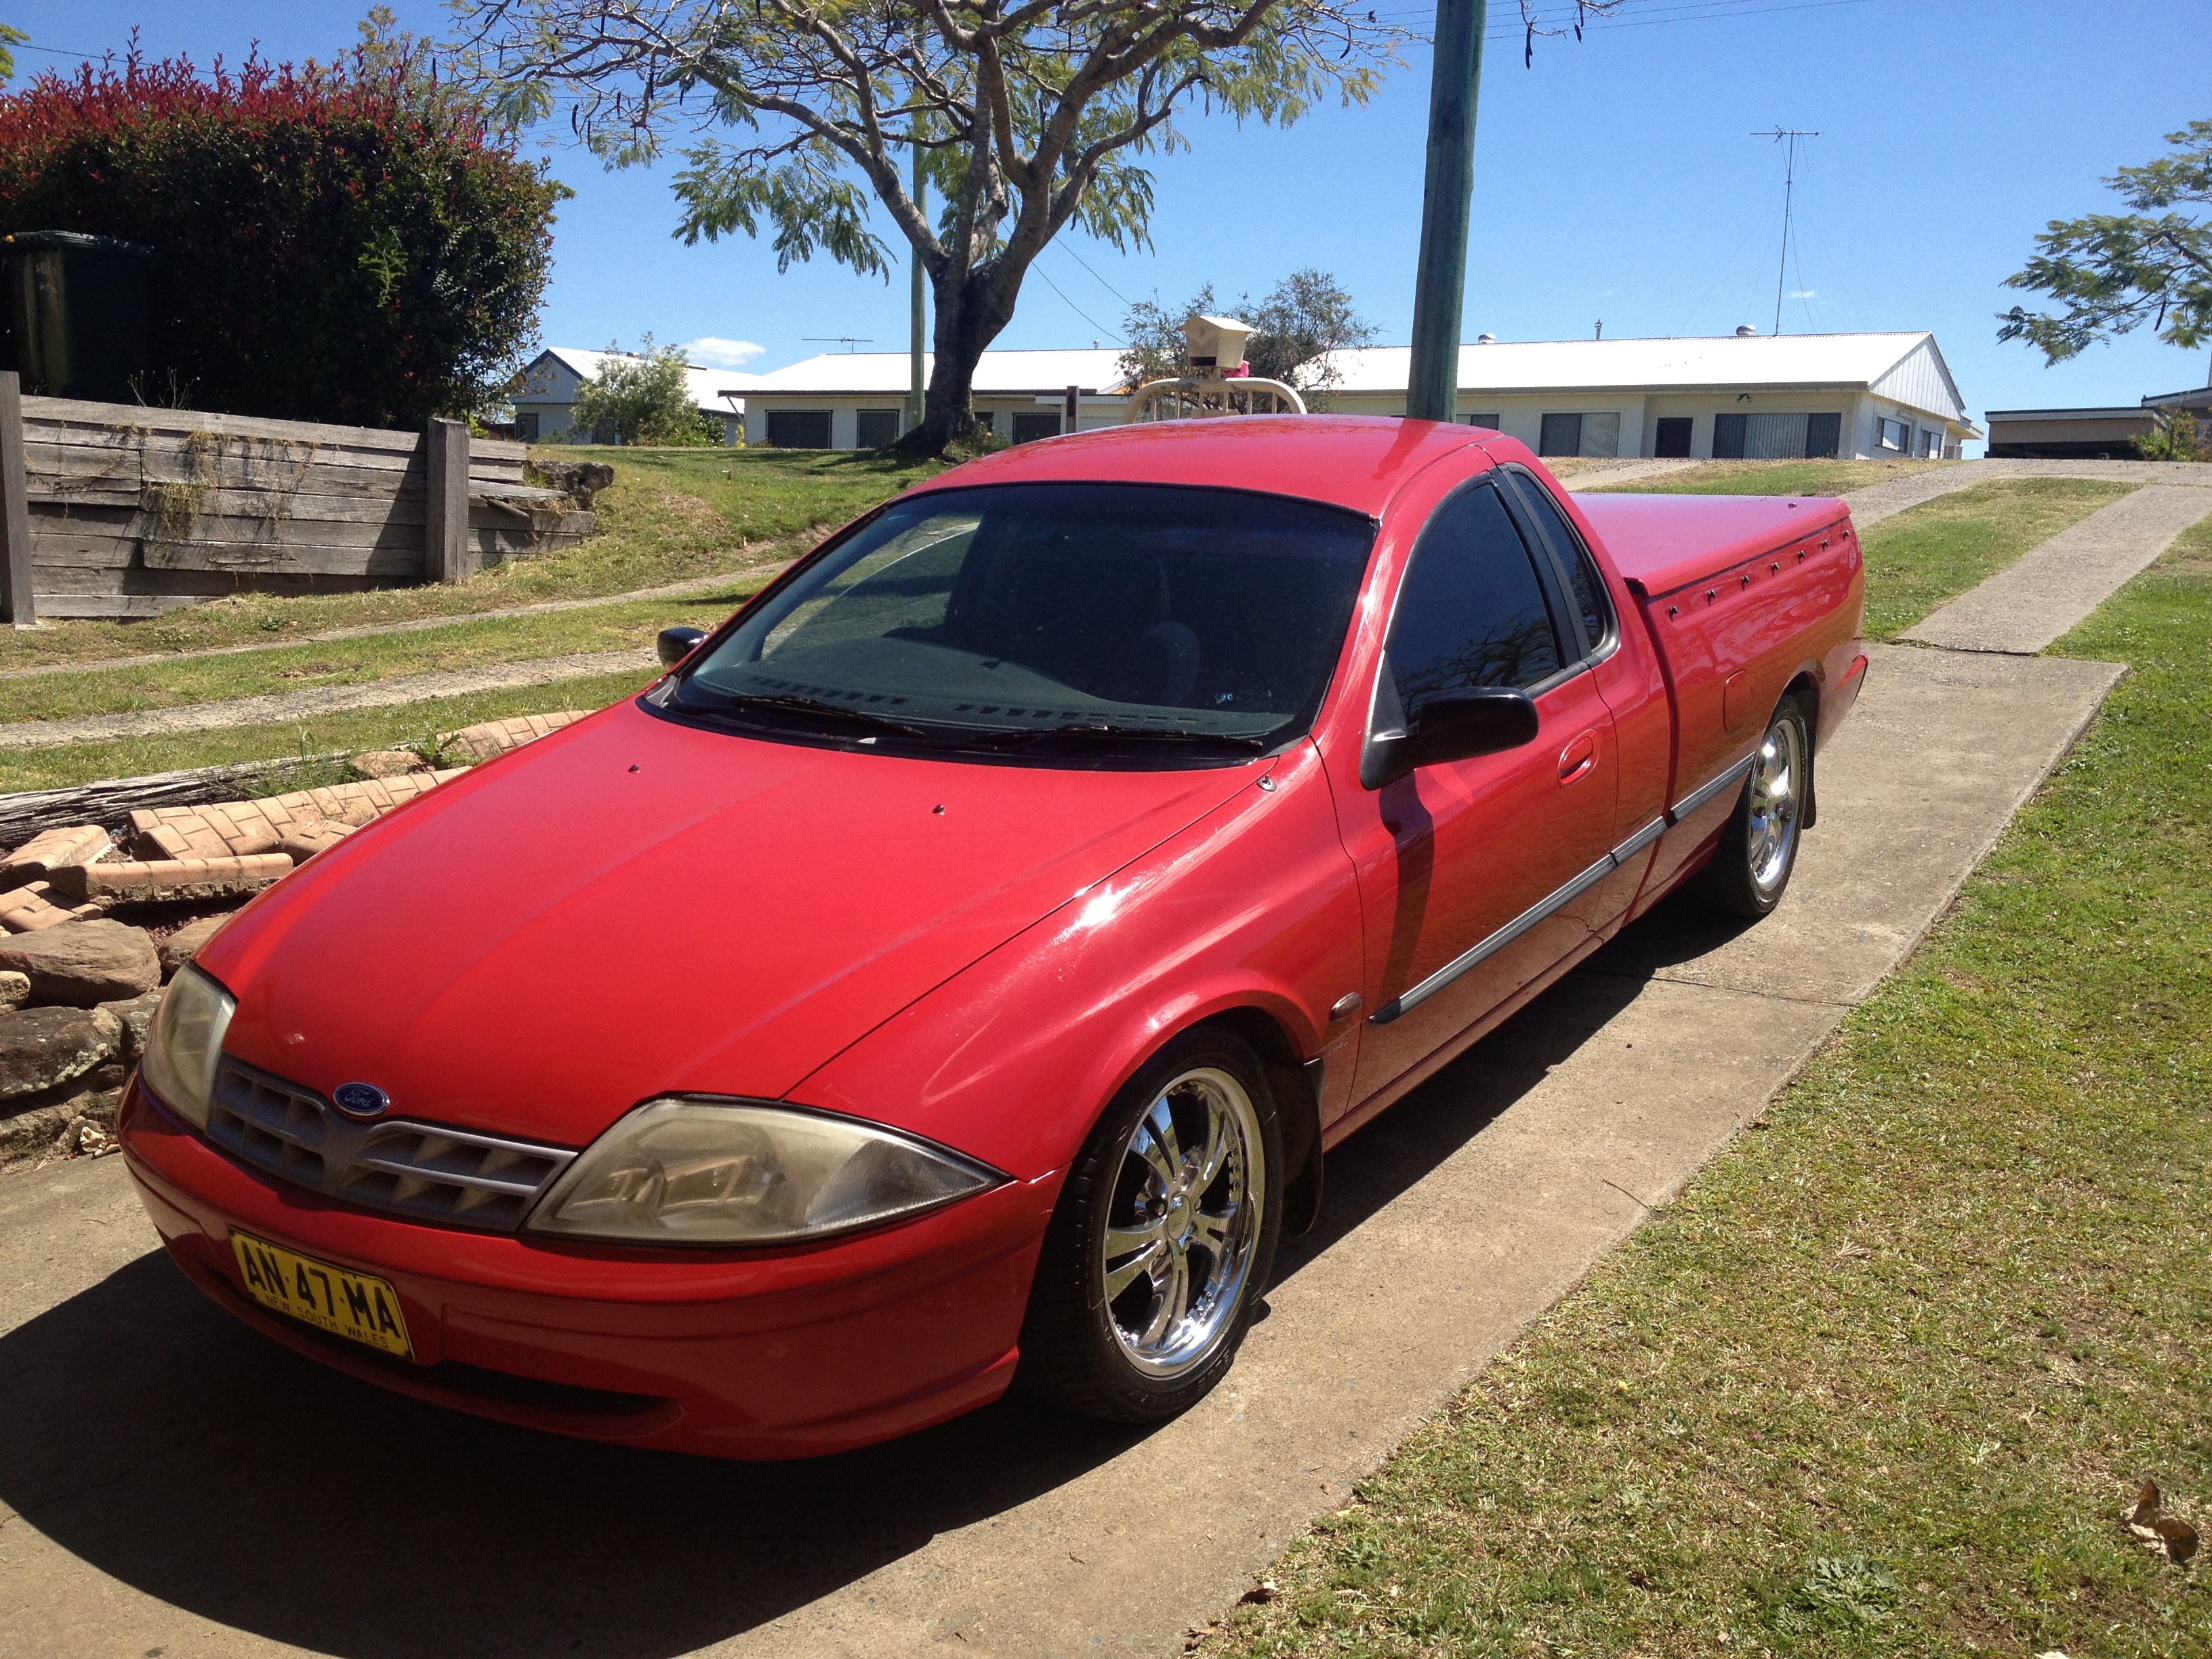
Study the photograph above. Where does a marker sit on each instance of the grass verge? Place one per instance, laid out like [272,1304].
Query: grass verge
[1937,551]
[1771,478]
[368,728]
[1880,1381]
[670,516]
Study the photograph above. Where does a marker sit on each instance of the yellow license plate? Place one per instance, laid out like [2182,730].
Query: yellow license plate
[349,1304]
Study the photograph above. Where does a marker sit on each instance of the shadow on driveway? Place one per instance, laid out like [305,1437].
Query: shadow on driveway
[177,1451]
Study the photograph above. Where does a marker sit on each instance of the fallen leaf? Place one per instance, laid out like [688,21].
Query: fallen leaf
[2146,1505]
[1261,1593]
[1851,1252]
[2169,1534]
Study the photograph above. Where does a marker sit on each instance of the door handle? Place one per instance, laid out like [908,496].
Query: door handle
[1578,758]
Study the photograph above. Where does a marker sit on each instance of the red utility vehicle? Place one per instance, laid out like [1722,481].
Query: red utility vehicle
[956,966]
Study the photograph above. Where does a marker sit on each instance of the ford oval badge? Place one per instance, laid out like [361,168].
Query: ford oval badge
[360,1099]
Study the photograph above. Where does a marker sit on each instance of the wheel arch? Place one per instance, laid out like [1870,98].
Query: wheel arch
[1806,687]
[1295,1082]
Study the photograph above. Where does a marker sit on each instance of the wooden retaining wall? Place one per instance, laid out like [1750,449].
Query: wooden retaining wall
[129,511]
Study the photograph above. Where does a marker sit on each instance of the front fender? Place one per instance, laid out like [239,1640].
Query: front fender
[1251,908]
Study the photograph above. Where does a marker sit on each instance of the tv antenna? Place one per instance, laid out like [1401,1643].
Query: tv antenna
[849,341]
[1781,135]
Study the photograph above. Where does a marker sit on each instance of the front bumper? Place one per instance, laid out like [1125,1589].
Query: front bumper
[759,1353]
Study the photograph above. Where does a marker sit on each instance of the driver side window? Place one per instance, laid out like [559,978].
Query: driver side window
[1472,612]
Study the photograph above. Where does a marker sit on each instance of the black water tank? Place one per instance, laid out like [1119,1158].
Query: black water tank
[75,311]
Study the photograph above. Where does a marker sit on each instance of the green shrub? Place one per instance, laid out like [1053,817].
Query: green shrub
[351,242]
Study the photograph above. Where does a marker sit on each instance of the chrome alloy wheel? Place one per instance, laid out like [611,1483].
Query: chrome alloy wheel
[1776,772]
[1183,1221]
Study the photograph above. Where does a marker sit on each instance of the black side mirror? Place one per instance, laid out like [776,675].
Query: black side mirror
[1450,726]
[676,643]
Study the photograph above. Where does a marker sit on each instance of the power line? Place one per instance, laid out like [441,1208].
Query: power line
[1074,307]
[1789,195]
[1085,263]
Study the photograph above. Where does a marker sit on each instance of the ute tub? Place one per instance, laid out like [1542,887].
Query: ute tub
[1663,542]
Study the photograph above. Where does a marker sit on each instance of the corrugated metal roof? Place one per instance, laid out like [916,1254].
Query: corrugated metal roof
[707,384]
[886,372]
[1624,365]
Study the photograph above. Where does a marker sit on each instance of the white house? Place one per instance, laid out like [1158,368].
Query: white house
[1861,396]
[857,399]
[543,407]
[1852,395]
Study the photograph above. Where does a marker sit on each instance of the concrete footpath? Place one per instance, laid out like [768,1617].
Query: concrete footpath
[169,1480]
[2042,595]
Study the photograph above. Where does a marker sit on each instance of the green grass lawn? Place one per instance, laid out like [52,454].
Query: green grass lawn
[1935,551]
[1771,478]
[1881,1380]
[670,516]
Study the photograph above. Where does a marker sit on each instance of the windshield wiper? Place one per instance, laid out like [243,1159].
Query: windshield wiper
[1105,731]
[815,707]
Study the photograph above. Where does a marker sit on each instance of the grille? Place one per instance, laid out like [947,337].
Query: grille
[420,1170]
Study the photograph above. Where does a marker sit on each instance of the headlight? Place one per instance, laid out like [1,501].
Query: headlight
[186,1042]
[682,1171]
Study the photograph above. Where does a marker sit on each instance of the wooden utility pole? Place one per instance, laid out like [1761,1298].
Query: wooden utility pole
[18,603]
[1447,204]
[446,552]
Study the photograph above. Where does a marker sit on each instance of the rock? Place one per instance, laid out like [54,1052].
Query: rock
[15,990]
[42,1048]
[181,946]
[50,850]
[173,879]
[83,964]
[579,480]
[135,1017]
[41,1129]
[388,763]
[34,909]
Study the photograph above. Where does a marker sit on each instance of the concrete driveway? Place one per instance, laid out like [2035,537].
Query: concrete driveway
[170,1482]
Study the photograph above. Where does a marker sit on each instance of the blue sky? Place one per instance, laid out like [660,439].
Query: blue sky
[1616,180]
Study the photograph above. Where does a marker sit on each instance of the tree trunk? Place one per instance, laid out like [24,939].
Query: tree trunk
[971,313]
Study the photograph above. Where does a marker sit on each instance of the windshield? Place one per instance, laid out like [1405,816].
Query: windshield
[1050,618]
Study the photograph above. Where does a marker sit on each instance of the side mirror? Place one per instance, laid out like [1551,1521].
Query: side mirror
[676,643]
[1450,726]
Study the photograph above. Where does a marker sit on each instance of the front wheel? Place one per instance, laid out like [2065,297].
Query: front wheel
[1758,850]
[1162,1239]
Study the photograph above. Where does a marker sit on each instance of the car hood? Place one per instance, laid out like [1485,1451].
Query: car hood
[635,906]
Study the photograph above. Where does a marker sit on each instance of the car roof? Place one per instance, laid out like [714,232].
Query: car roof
[1352,461]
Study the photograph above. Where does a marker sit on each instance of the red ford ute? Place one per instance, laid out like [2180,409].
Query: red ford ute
[953,971]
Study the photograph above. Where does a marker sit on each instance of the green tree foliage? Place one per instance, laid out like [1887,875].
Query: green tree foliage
[2115,273]
[1304,316]
[9,37]
[641,398]
[2176,437]
[796,120]
[356,242]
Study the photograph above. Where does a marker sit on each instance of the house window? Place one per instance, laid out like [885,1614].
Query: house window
[1597,432]
[1028,429]
[525,426]
[878,429]
[1775,437]
[1490,421]
[1931,445]
[799,428]
[1895,436]
[1671,439]
[1823,434]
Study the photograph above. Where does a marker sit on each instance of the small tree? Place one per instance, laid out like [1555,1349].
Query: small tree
[643,397]
[1031,116]
[1304,317]
[354,243]
[2117,273]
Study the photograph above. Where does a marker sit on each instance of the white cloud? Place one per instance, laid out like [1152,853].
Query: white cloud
[1804,293]
[721,354]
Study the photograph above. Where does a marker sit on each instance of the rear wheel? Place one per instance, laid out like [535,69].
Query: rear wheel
[1751,867]
[1162,1239]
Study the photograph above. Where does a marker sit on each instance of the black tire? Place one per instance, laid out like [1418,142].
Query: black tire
[1751,866]
[1078,1349]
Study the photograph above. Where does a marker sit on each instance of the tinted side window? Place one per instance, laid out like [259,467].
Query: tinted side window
[1472,612]
[1582,580]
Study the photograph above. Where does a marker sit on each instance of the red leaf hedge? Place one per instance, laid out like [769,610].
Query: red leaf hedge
[351,243]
